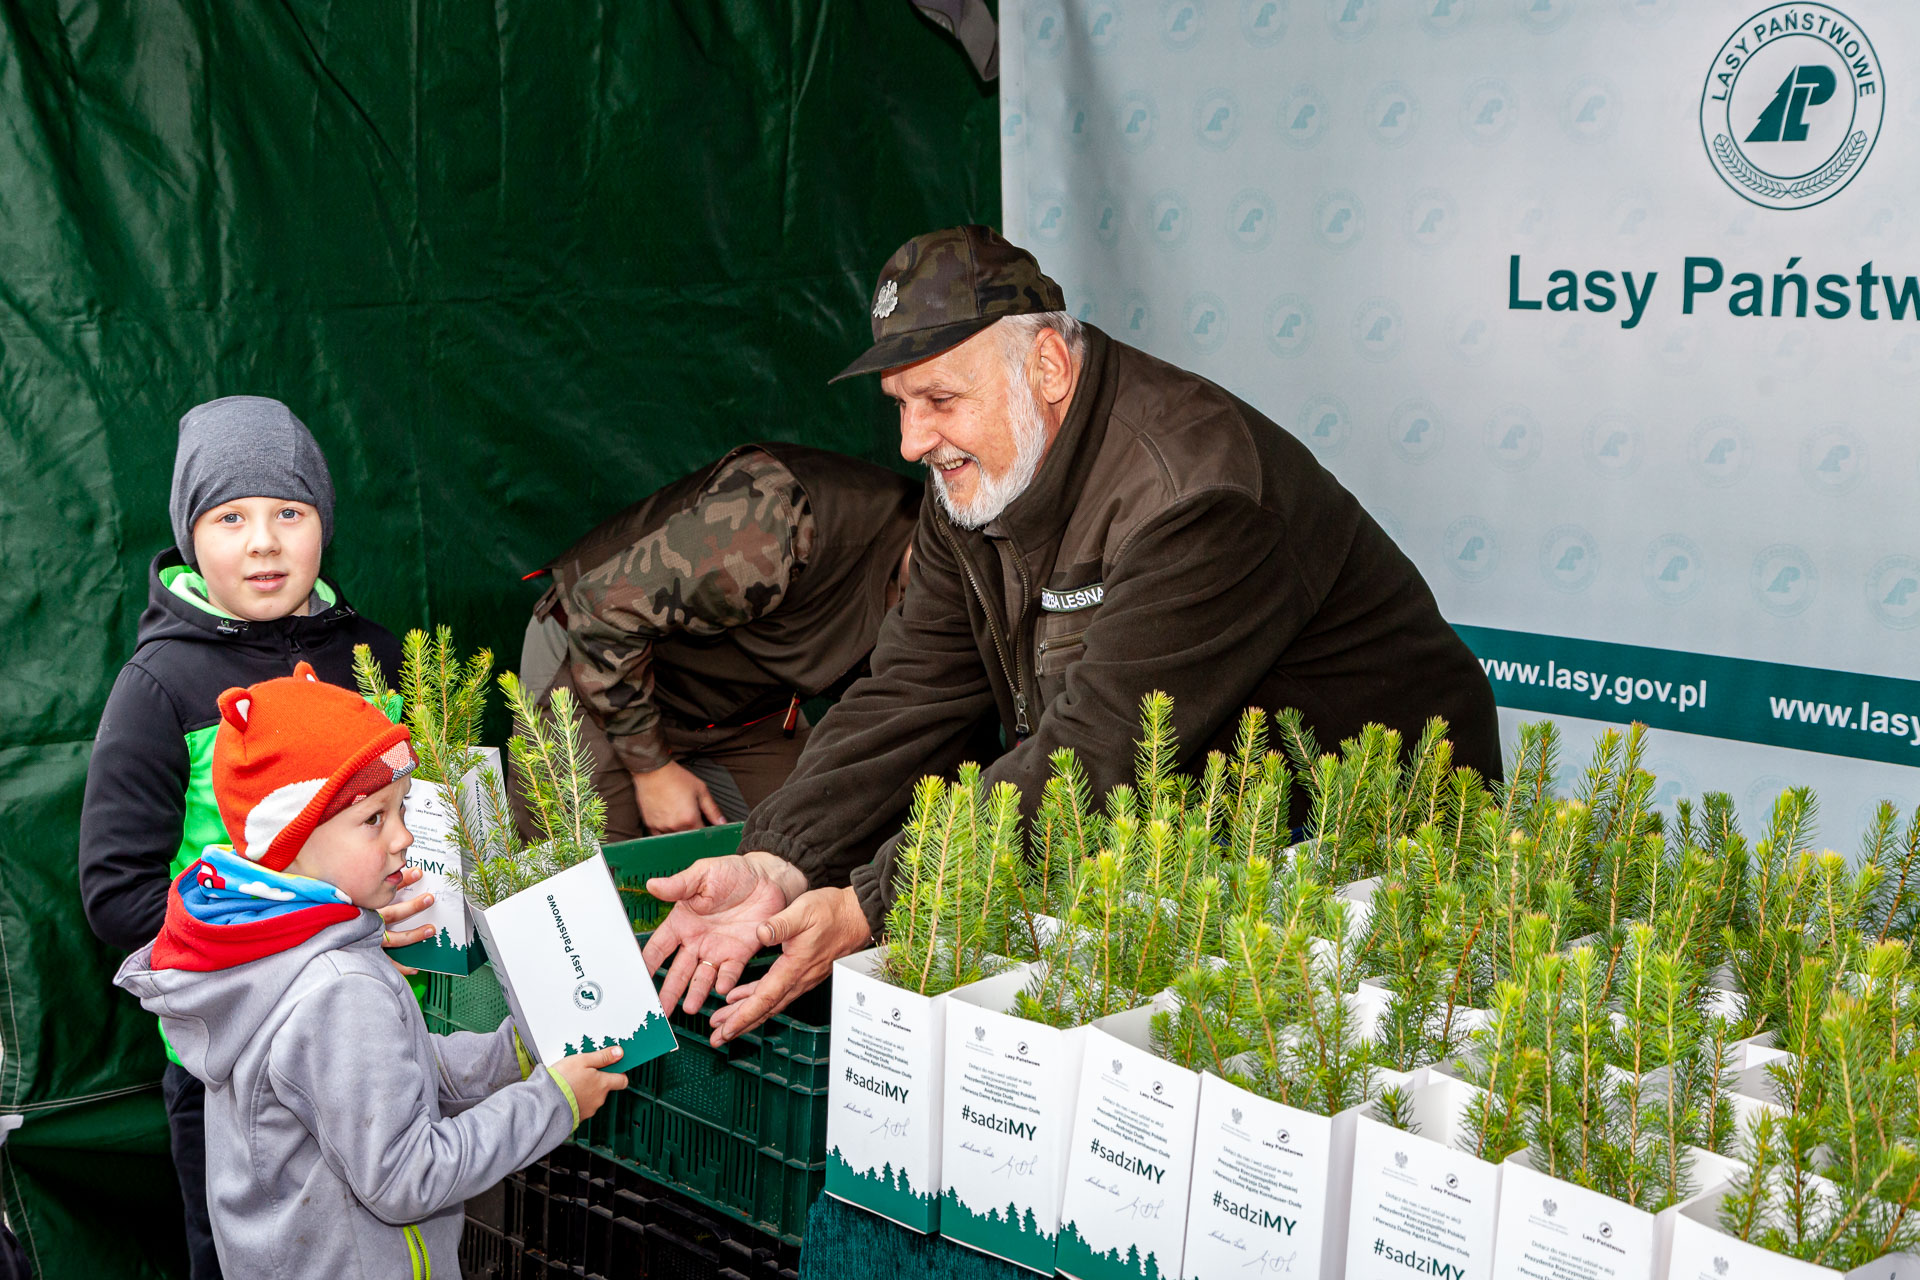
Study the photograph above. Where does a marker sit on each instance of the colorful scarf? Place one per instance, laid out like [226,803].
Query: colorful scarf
[224,910]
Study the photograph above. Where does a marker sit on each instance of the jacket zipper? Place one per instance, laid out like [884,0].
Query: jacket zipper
[1020,727]
[417,1253]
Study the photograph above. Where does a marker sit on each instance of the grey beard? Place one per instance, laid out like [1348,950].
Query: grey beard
[994,494]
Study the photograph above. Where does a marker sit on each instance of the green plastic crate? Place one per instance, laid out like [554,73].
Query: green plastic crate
[436,1002]
[741,1129]
[473,1003]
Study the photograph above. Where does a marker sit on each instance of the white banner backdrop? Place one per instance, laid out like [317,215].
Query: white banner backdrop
[1606,309]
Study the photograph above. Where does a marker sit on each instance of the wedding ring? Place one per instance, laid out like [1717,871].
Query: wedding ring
[710,964]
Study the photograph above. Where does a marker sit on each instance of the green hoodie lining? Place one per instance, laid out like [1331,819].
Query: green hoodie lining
[191,587]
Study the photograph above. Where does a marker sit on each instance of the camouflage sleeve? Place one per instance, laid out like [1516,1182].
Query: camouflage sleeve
[719,562]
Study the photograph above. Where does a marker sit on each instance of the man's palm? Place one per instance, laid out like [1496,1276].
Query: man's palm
[719,906]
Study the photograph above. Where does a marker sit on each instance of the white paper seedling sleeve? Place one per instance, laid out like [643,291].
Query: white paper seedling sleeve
[428,812]
[1701,1251]
[571,969]
[1421,1206]
[1124,1214]
[1271,1185]
[884,1099]
[1009,1098]
[1549,1227]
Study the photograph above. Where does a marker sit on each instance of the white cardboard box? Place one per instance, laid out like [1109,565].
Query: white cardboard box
[1420,1204]
[1004,1138]
[1124,1213]
[1272,1185]
[571,969]
[1358,895]
[428,812]
[1550,1227]
[1701,1251]
[1755,1091]
[1756,1051]
[884,1103]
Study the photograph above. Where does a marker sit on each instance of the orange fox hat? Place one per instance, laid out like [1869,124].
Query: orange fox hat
[291,753]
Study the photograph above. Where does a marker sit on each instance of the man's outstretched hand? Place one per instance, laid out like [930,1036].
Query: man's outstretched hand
[821,926]
[720,906]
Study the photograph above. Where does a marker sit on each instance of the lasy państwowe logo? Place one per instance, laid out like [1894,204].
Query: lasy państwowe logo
[1792,105]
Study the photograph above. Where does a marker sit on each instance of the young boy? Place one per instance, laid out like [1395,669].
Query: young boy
[342,1136]
[239,599]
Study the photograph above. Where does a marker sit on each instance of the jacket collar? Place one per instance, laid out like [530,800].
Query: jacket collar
[1039,516]
[169,616]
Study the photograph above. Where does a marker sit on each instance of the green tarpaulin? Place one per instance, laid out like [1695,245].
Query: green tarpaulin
[515,264]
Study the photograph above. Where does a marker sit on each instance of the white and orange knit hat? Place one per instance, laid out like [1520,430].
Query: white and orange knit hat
[293,752]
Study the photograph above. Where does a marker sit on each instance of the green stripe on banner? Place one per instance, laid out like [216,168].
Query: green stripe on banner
[1840,713]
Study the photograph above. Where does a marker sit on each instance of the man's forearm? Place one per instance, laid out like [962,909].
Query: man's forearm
[859,768]
[848,794]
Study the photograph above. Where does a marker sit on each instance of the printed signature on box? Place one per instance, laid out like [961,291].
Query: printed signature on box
[1018,1168]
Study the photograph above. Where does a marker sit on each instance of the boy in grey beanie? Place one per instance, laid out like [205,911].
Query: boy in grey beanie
[239,599]
[244,446]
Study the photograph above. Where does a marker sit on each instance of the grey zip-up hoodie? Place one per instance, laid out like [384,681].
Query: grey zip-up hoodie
[342,1136]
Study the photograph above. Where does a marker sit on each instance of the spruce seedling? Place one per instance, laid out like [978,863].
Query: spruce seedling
[959,879]
[1836,1181]
[555,773]
[1896,907]
[442,699]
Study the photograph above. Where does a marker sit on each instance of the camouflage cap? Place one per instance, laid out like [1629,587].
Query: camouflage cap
[941,288]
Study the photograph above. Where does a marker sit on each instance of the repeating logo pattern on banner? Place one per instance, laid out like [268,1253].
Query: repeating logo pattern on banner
[1608,310]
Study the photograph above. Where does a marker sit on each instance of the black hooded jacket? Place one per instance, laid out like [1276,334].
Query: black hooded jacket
[149,799]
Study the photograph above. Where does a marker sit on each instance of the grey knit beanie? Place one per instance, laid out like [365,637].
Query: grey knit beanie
[245,447]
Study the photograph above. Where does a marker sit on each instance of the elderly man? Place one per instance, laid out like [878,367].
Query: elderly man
[1105,525]
[692,624]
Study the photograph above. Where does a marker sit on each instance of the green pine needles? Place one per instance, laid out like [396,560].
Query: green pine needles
[1586,959]
[961,903]
[441,698]
[554,771]
[1276,1015]
[1610,1092]
[1136,888]
[1835,1180]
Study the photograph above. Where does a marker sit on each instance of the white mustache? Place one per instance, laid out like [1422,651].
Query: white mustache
[946,457]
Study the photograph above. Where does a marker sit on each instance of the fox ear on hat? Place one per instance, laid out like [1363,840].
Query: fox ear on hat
[305,670]
[236,705]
